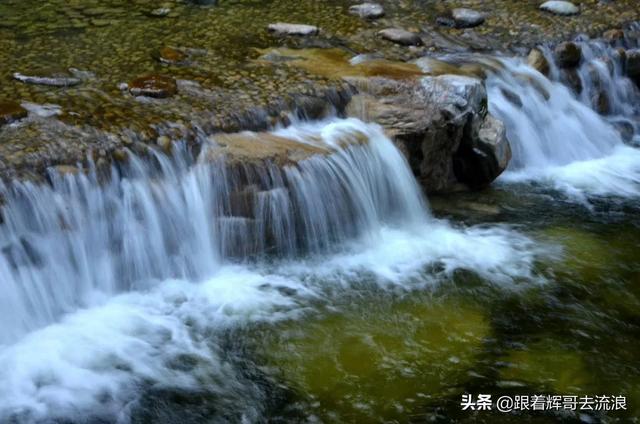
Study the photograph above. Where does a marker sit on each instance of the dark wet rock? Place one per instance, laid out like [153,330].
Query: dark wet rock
[467,18]
[633,65]
[52,81]
[571,78]
[401,36]
[367,10]
[601,102]
[204,2]
[171,56]
[563,8]
[157,86]
[482,157]
[11,112]
[568,54]
[626,130]
[512,97]
[282,28]
[538,61]
[442,126]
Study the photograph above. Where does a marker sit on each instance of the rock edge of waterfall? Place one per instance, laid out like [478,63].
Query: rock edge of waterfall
[435,113]
[440,123]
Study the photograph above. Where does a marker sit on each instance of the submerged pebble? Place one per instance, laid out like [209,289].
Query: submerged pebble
[156,86]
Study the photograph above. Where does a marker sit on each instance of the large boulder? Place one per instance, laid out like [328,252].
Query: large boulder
[442,126]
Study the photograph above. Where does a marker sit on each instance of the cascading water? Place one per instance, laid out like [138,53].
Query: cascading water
[114,281]
[182,221]
[557,136]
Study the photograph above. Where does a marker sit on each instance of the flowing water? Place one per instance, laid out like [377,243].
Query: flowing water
[558,138]
[188,290]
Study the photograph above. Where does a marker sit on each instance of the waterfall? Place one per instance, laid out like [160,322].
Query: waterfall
[557,136]
[65,244]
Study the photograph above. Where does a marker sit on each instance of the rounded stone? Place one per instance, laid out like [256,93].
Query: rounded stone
[171,56]
[467,18]
[367,10]
[568,54]
[563,8]
[401,36]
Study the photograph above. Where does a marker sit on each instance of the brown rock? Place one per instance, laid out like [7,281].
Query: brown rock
[440,123]
[171,56]
[11,112]
[538,61]
[613,35]
[157,86]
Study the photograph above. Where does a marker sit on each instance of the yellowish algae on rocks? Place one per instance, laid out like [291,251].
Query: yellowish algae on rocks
[379,360]
[550,366]
[583,253]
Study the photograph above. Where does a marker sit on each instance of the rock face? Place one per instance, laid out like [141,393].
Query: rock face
[401,36]
[282,28]
[563,8]
[568,54]
[11,112]
[367,10]
[156,86]
[442,126]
